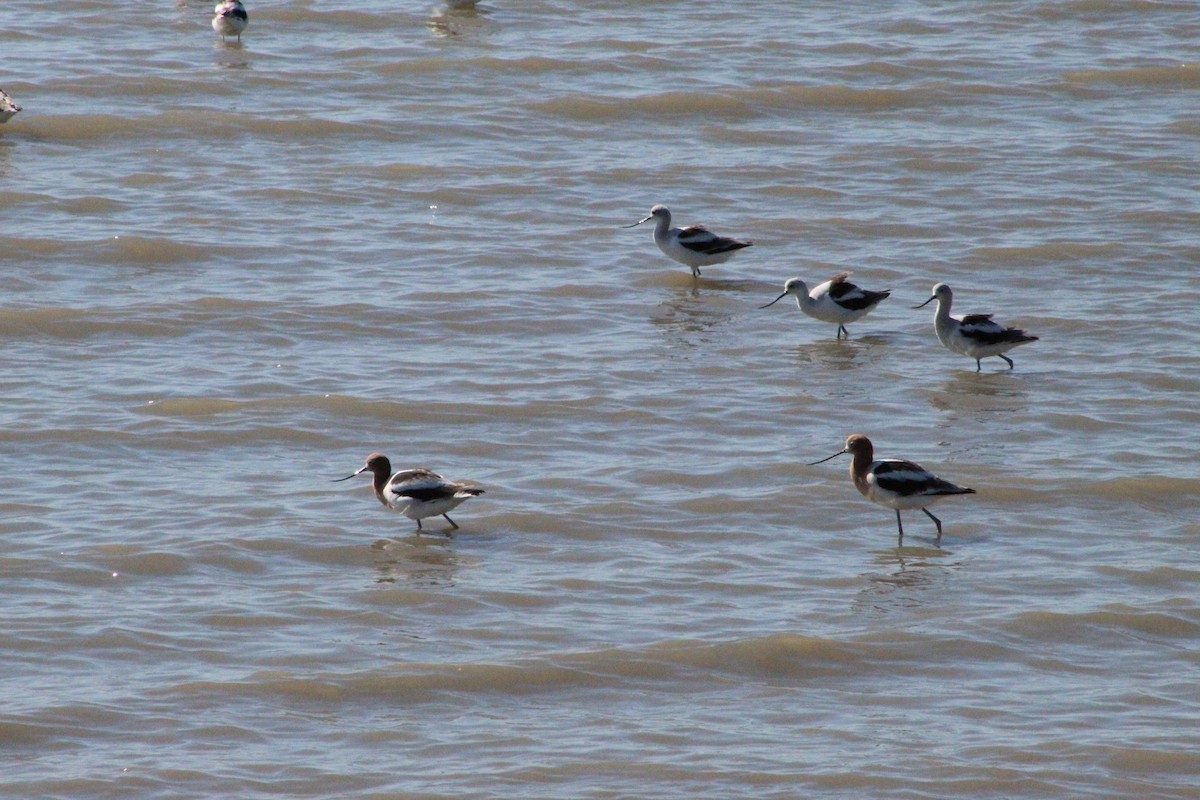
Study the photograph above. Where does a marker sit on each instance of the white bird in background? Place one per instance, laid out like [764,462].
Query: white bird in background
[694,245]
[230,18]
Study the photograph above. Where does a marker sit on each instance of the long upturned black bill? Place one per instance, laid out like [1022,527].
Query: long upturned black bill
[348,477]
[927,302]
[639,222]
[823,460]
[776,300]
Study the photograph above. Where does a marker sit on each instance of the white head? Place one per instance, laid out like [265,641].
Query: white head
[794,287]
[941,293]
[658,213]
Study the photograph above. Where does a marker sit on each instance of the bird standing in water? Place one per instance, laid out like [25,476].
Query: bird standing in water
[415,493]
[230,18]
[696,246]
[836,300]
[974,335]
[894,482]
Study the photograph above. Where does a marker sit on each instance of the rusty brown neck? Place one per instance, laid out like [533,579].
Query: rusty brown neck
[382,471]
[859,468]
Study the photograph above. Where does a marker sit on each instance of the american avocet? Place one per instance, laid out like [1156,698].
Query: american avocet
[974,335]
[7,107]
[895,483]
[415,493]
[230,18]
[696,246]
[836,300]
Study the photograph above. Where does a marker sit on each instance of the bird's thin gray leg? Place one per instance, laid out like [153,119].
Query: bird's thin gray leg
[900,525]
[453,524]
[937,522]
[978,366]
[1006,358]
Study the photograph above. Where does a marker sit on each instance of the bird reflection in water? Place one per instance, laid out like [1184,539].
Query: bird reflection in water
[457,18]
[842,354]
[907,578]
[973,393]
[232,55]
[687,317]
[416,561]
[688,311]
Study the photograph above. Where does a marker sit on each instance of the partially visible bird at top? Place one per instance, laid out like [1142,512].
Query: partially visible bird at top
[230,18]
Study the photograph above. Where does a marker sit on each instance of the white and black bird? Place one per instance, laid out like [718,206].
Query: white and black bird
[836,300]
[974,335]
[894,482]
[696,246]
[7,107]
[415,493]
[230,18]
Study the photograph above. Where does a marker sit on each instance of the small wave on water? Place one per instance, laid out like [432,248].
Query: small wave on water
[1049,252]
[203,122]
[79,324]
[731,104]
[1178,76]
[1110,624]
[772,659]
[147,251]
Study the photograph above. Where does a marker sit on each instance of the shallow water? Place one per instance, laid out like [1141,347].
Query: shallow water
[231,272]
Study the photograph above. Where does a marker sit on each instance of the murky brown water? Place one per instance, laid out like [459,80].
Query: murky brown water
[231,273]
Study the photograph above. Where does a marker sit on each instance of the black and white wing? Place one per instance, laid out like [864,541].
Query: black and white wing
[980,328]
[906,479]
[700,239]
[852,297]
